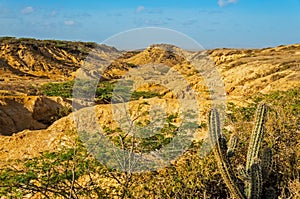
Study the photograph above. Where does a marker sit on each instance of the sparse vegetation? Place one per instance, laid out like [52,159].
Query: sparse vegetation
[53,174]
[103,93]
[63,89]
[3,39]
[71,171]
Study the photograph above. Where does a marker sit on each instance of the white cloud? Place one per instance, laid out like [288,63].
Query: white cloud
[69,22]
[27,10]
[140,9]
[223,3]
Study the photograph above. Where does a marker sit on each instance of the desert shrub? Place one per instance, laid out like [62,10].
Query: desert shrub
[64,173]
[73,171]
[62,89]
[103,92]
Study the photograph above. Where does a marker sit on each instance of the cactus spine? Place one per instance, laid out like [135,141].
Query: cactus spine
[255,169]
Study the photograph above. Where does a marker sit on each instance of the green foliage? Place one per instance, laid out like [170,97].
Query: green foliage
[63,89]
[103,93]
[144,139]
[144,94]
[160,139]
[52,174]
[60,175]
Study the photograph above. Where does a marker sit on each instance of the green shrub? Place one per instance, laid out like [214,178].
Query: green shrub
[103,94]
[53,174]
[63,89]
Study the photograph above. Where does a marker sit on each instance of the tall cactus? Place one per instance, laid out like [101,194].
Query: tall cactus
[256,136]
[253,174]
[220,150]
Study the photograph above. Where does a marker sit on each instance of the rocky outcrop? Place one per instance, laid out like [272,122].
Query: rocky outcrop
[20,113]
[28,63]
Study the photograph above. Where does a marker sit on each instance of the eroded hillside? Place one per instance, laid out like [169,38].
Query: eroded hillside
[26,64]
[37,128]
[248,71]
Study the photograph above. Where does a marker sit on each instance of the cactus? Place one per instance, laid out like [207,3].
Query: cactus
[255,171]
[266,162]
[256,182]
[256,136]
[233,141]
[220,150]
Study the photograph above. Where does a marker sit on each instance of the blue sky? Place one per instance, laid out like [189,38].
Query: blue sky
[212,23]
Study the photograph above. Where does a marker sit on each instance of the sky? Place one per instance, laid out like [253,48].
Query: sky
[210,23]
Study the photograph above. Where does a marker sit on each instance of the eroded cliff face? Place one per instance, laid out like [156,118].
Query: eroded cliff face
[30,112]
[244,71]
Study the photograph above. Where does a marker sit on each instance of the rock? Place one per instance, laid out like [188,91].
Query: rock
[24,112]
